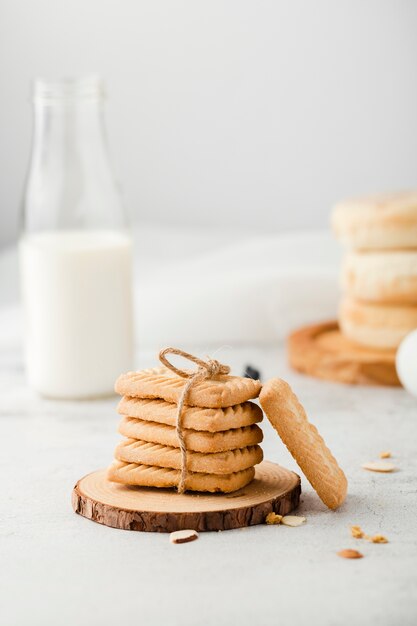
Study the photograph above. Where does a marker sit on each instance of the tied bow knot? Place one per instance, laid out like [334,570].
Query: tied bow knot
[211,367]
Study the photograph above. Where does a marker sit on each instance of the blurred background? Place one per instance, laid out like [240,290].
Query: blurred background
[234,126]
[228,114]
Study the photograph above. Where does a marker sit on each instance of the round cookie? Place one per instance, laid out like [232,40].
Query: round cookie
[383,221]
[304,442]
[388,277]
[143,452]
[151,476]
[376,325]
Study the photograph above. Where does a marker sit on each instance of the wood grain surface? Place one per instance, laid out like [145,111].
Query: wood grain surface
[163,510]
[321,350]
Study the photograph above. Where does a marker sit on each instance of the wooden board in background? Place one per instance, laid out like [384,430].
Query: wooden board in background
[321,350]
[163,510]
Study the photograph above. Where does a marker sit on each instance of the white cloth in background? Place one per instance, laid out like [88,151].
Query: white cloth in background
[209,289]
[254,291]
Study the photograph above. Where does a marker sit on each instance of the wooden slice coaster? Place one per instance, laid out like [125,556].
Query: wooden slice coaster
[274,488]
[321,350]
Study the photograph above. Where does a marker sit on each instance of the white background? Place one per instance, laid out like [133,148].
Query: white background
[227,113]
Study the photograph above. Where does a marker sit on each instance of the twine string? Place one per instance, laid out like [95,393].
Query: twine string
[205,370]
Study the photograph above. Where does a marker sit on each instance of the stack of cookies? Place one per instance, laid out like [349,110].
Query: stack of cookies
[219,426]
[379,274]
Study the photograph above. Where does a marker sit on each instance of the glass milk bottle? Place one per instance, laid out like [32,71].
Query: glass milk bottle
[75,248]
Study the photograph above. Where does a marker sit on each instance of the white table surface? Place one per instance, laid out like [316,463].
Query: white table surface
[58,568]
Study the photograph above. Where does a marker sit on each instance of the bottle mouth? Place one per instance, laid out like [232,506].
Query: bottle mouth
[68,89]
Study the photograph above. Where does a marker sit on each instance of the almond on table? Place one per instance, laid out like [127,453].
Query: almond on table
[379,466]
[350,554]
[385,455]
[293,520]
[183,536]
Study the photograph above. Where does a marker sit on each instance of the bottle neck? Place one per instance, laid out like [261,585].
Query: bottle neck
[70,133]
[70,182]
[68,120]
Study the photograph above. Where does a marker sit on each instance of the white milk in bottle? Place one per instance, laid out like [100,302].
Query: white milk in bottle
[75,249]
[76,289]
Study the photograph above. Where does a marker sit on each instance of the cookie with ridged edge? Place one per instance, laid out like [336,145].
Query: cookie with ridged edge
[143,452]
[196,440]
[196,418]
[304,442]
[160,382]
[151,476]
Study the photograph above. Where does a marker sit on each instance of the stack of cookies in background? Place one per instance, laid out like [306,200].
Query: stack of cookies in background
[219,427]
[379,273]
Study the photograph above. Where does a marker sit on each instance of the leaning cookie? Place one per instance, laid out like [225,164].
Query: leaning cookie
[150,476]
[384,221]
[381,326]
[386,277]
[230,461]
[196,418]
[160,382]
[302,439]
